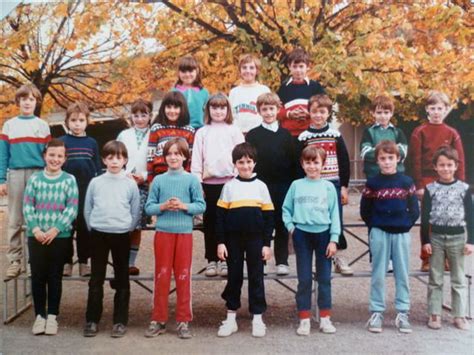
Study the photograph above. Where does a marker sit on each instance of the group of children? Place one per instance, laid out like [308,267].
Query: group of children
[199,156]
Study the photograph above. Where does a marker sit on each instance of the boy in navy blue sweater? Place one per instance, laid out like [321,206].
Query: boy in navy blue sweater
[389,207]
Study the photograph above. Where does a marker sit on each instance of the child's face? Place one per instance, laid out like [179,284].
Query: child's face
[268,113]
[77,124]
[382,116]
[140,119]
[436,112]
[188,77]
[27,105]
[446,168]
[245,166]
[248,72]
[298,70]
[114,163]
[312,168]
[218,113]
[174,158]
[319,116]
[172,113]
[54,157]
[387,162]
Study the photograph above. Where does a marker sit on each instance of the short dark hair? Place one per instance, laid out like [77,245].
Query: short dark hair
[386,146]
[383,102]
[114,148]
[181,144]
[297,55]
[77,108]
[173,98]
[244,150]
[321,100]
[53,143]
[189,63]
[446,151]
[311,152]
[25,91]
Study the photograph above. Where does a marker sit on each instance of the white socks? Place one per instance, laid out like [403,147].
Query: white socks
[231,315]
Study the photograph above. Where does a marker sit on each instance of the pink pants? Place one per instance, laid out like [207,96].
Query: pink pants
[173,251]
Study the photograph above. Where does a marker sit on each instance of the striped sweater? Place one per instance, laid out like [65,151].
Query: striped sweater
[21,144]
[50,202]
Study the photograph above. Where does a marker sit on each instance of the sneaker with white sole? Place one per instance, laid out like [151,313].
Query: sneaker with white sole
[402,323]
[13,270]
[258,329]
[39,325]
[326,326]
[222,268]
[211,269]
[51,325]
[227,328]
[341,267]
[67,270]
[375,322]
[84,269]
[282,270]
[183,330]
[154,329]
[305,327]
[461,323]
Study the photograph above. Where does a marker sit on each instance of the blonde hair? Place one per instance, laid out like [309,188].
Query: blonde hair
[268,98]
[25,91]
[249,58]
[437,97]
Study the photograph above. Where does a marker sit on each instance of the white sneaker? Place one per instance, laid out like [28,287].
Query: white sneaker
[222,268]
[67,270]
[211,269]
[341,267]
[283,269]
[305,327]
[258,329]
[326,326]
[39,325]
[51,325]
[227,328]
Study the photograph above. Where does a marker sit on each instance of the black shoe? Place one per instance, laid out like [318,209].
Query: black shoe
[118,330]
[90,329]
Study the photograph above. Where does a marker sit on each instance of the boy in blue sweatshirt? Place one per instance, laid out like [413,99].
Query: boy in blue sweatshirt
[311,215]
[389,208]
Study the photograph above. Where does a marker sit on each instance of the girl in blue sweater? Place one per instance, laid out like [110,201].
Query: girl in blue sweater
[175,197]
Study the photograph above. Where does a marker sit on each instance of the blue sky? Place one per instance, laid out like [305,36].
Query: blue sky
[9,5]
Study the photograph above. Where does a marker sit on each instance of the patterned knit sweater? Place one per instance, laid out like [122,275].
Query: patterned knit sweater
[50,202]
[447,209]
[337,165]
[22,141]
[159,136]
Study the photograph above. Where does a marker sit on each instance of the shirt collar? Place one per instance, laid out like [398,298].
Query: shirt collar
[290,80]
[390,125]
[271,127]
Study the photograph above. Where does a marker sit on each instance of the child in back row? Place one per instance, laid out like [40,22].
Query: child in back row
[389,207]
[136,140]
[212,163]
[175,197]
[189,84]
[311,215]
[243,98]
[276,167]
[447,214]
[83,162]
[22,142]
[244,227]
[50,207]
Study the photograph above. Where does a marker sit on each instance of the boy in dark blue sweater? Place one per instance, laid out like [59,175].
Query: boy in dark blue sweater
[389,207]
[276,167]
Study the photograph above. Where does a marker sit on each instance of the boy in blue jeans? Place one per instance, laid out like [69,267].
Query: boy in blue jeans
[389,207]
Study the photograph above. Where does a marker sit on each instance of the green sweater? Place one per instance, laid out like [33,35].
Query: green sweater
[371,137]
[50,202]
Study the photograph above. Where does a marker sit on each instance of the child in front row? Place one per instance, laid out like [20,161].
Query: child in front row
[212,163]
[175,197]
[244,227]
[49,206]
[111,211]
[311,215]
[389,207]
[447,213]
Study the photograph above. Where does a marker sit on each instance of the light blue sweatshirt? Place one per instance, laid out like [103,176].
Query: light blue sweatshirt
[112,203]
[196,98]
[311,206]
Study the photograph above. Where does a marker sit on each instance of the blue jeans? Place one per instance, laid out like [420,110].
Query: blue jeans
[305,244]
[384,246]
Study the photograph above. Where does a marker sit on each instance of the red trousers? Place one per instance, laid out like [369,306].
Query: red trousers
[173,251]
[425,181]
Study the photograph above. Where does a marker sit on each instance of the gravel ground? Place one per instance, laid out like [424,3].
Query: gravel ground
[350,312]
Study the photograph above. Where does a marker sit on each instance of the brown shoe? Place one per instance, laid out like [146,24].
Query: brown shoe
[434,322]
[462,323]
[133,270]
[425,265]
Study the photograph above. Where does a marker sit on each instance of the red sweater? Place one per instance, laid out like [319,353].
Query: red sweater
[424,142]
